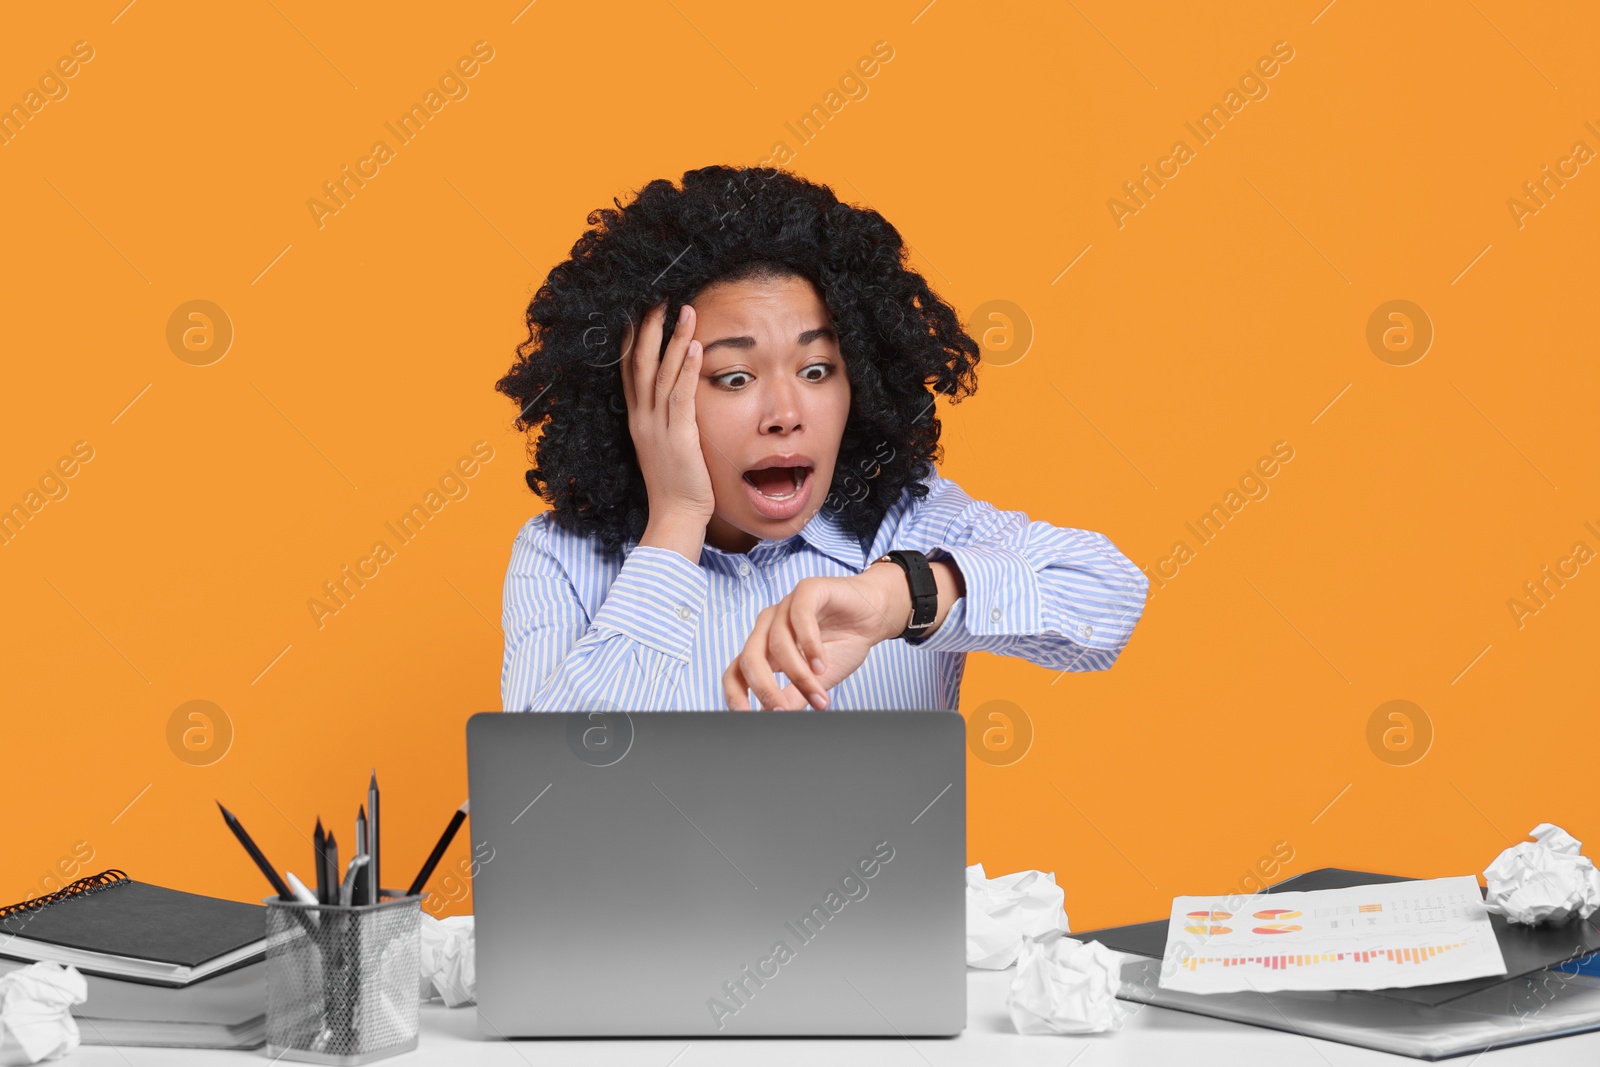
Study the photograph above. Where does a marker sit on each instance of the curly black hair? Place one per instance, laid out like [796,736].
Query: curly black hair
[901,343]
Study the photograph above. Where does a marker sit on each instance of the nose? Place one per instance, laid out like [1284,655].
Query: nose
[782,409]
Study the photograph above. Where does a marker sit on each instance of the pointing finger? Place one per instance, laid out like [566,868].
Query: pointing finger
[734,689]
[754,666]
[789,657]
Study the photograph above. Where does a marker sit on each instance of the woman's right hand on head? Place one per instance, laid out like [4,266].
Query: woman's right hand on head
[661,417]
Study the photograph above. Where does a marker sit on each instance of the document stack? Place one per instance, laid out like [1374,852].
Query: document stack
[163,967]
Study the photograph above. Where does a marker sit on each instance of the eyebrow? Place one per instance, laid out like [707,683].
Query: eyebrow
[750,342]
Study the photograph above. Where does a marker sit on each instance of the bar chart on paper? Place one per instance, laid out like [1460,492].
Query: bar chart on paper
[1363,937]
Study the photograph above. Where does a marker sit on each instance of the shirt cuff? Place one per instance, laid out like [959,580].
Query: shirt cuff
[952,634]
[657,600]
[1004,598]
[1002,595]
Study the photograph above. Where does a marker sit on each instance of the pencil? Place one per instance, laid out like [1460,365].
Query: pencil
[331,854]
[438,850]
[278,884]
[319,841]
[374,886]
[362,837]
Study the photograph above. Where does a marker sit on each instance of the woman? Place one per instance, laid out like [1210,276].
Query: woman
[736,382]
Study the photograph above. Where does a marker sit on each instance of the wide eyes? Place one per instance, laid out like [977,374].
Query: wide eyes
[825,370]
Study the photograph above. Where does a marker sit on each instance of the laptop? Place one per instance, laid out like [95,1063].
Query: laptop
[705,874]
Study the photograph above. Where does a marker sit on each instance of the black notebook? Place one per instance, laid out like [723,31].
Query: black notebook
[110,925]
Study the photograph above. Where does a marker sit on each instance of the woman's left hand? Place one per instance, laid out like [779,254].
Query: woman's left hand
[836,620]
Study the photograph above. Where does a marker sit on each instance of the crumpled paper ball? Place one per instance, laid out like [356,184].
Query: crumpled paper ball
[1063,986]
[1544,880]
[1003,911]
[36,1012]
[449,960]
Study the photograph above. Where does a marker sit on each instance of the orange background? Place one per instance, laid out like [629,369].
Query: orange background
[1229,313]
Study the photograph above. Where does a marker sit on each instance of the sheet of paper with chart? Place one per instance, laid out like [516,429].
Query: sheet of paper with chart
[1365,937]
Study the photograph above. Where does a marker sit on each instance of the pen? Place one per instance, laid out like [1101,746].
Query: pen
[319,848]
[373,884]
[255,854]
[347,890]
[301,893]
[438,850]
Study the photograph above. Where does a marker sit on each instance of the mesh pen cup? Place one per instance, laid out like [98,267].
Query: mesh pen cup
[342,981]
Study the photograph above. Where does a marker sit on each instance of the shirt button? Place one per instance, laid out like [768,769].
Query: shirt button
[1086,630]
[995,614]
[684,612]
[744,569]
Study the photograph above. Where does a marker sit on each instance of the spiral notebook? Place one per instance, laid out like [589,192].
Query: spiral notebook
[110,925]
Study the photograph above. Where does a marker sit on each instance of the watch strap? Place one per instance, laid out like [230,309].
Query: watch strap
[924,591]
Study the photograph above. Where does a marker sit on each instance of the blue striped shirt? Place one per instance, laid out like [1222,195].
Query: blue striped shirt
[651,631]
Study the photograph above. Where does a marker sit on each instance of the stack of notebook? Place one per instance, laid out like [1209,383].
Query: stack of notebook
[163,967]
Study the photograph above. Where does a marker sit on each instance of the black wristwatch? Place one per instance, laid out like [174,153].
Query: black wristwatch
[924,592]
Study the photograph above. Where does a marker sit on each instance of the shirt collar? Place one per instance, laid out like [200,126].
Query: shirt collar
[822,532]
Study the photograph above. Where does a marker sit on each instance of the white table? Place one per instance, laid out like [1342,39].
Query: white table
[1149,1036]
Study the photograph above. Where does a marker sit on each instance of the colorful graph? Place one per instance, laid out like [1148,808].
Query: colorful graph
[1197,922]
[1419,954]
[1277,925]
[1356,937]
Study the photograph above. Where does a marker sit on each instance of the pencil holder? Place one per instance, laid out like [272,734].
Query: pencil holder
[342,981]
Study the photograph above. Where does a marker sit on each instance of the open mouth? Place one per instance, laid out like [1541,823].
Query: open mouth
[777,483]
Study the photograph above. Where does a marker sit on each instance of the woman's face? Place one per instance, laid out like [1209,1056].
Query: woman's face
[772,401]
